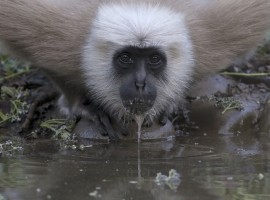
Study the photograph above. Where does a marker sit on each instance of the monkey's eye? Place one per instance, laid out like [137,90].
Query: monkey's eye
[125,58]
[155,59]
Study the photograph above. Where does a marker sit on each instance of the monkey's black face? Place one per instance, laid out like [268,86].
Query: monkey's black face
[138,69]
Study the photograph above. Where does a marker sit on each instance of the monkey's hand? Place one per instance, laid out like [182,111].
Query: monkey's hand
[106,128]
[162,120]
[105,122]
[84,109]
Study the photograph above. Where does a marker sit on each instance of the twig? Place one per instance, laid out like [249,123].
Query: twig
[245,74]
[14,75]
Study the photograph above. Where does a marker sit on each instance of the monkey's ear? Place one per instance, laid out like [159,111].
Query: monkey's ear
[223,30]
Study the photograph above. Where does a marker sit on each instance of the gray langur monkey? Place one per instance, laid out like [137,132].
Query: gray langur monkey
[130,57]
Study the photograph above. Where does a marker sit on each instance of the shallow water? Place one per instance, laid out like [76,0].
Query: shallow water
[211,166]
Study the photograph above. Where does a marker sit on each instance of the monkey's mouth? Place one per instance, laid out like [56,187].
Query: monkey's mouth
[138,106]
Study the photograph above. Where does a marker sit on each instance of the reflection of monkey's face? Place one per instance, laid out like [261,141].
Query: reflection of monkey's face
[139,68]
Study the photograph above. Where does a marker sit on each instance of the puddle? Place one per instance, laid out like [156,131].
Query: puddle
[215,166]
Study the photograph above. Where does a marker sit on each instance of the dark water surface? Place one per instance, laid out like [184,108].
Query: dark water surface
[211,166]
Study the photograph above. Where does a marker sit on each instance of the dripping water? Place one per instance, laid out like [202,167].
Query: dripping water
[139,120]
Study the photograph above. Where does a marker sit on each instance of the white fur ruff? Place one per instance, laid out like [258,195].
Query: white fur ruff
[118,25]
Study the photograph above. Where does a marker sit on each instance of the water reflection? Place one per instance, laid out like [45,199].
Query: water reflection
[211,167]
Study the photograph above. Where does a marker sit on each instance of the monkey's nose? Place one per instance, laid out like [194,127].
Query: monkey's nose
[140,77]
[139,85]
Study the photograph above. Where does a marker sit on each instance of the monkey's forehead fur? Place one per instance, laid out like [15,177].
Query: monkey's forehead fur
[139,24]
[118,25]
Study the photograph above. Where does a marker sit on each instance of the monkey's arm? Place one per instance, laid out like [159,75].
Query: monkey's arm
[222,30]
[49,34]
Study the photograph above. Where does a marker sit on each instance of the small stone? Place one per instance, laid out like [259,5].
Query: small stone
[133,182]
[81,147]
[260,176]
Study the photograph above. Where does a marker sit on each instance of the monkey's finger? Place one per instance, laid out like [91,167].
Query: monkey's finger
[124,130]
[147,123]
[107,125]
[163,119]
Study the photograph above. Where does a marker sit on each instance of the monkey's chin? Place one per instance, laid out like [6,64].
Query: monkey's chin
[138,106]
